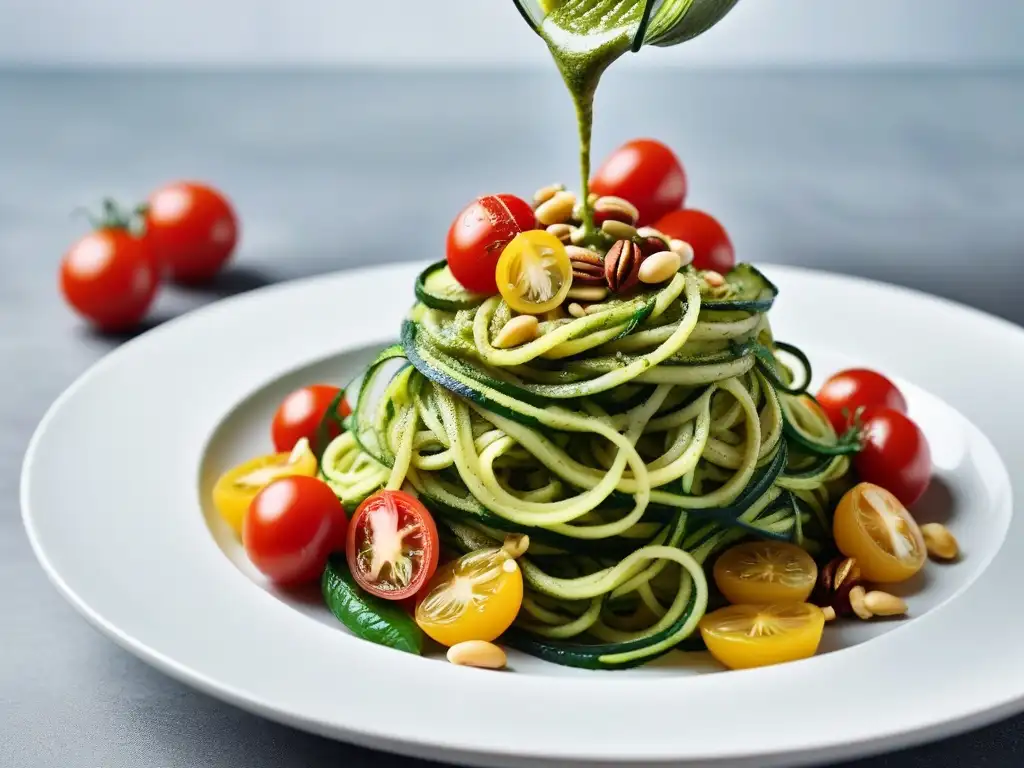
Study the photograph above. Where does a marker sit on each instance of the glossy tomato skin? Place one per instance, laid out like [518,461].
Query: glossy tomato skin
[646,173]
[712,248]
[376,521]
[848,390]
[480,233]
[895,455]
[192,229]
[301,412]
[290,528]
[110,278]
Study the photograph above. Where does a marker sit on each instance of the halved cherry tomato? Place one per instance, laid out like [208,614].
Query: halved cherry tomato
[290,527]
[480,233]
[765,573]
[392,545]
[476,597]
[192,229]
[895,455]
[110,278]
[301,412]
[712,248]
[235,489]
[872,526]
[845,392]
[646,173]
[745,636]
[534,272]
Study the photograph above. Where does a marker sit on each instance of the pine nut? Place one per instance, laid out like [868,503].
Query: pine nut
[652,232]
[611,207]
[684,250]
[562,231]
[544,194]
[884,604]
[519,330]
[659,267]
[557,210]
[477,653]
[588,293]
[857,595]
[516,544]
[714,279]
[576,236]
[941,544]
[619,229]
[576,310]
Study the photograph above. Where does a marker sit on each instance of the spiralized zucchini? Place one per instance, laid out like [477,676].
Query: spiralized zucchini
[631,445]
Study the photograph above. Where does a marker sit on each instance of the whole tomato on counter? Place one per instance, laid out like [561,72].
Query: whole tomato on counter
[192,230]
[480,233]
[110,276]
[646,173]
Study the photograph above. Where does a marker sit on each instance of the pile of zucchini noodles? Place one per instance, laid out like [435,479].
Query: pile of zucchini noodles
[631,445]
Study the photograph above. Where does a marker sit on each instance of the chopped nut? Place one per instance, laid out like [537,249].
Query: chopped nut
[940,543]
[611,208]
[835,581]
[587,266]
[562,231]
[519,330]
[622,265]
[557,210]
[659,267]
[477,653]
[619,230]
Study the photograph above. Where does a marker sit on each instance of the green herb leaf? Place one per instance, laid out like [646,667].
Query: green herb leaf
[379,621]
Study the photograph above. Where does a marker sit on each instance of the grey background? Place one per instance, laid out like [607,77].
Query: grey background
[912,177]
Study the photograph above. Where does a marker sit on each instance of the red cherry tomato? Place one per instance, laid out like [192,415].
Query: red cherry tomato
[480,233]
[301,412]
[110,278]
[646,173]
[846,391]
[290,528]
[895,454]
[712,248]
[392,547]
[193,230]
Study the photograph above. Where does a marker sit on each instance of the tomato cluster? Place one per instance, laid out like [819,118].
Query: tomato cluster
[185,231]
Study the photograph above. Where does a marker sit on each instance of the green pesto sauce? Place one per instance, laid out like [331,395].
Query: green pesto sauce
[585,37]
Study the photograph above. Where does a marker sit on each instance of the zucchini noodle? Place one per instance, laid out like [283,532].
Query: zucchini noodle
[631,445]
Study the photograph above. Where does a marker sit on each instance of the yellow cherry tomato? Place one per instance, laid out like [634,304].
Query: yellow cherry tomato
[235,489]
[872,526]
[745,636]
[765,573]
[476,597]
[534,274]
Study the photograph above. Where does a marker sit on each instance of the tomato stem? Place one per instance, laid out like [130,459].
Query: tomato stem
[114,217]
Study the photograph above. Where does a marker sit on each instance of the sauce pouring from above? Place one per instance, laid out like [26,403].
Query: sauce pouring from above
[586,36]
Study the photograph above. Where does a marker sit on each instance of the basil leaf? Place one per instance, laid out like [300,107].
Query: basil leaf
[379,621]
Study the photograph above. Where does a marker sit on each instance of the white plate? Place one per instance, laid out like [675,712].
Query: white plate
[113,496]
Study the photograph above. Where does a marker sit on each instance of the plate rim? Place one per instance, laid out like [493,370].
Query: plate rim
[897,737]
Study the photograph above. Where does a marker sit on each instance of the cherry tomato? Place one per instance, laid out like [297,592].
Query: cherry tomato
[110,278]
[534,272]
[392,545]
[895,455]
[476,597]
[646,173]
[480,233]
[301,412]
[193,230]
[235,489]
[712,248]
[765,573]
[871,526]
[290,527]
[846,391]
[745,636]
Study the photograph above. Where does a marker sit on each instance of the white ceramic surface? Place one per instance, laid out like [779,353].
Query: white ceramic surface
[116,476]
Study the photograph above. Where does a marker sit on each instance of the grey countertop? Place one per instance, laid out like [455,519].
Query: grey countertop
[909,177]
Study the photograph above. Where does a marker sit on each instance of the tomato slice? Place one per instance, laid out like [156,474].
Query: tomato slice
[476,597]
[872,526]
[392,545]
[746,636]
[765,573]
[235,489]
[534,273]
